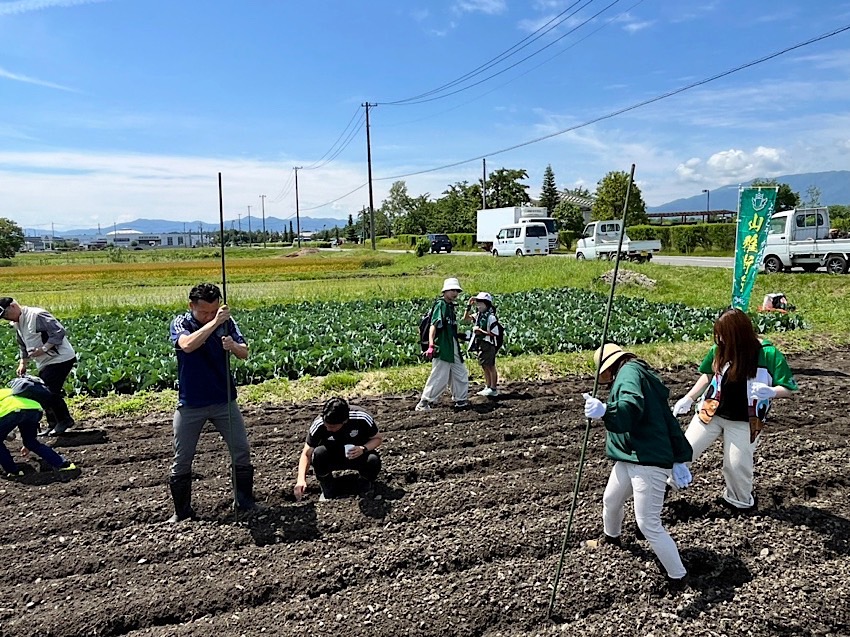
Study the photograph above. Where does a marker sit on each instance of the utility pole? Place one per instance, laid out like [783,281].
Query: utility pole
[250,239]
[239,224]
[297,208]
[363,224]
[484,184]
[369,162]
[263,202]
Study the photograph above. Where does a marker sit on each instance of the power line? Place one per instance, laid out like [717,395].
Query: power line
[531,37]
[287,186]
[515,64]
[627,109]
[330,150]
[607,116]
[516,77]
[345,145]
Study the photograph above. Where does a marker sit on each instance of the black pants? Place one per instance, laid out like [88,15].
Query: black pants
[54,377]
[327,460]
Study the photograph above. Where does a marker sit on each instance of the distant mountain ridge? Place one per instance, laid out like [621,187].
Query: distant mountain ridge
[834,189]
[157,226]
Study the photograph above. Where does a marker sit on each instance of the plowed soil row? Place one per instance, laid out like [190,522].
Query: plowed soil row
[461,538]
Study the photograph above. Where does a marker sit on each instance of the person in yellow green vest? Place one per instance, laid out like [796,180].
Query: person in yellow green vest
[24,414]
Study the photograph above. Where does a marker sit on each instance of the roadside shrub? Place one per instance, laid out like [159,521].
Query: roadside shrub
[566,238]
[407,239]
[721,235]
[423,247]
[323,244]
[5,263]
[684,238]
[642,233]
[462,240]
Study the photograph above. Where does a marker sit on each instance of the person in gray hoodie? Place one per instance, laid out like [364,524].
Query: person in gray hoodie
[647,446]
[42,338]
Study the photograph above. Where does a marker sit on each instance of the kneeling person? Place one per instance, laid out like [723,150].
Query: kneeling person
[341,438]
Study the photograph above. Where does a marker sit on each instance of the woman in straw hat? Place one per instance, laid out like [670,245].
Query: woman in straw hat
[647,446]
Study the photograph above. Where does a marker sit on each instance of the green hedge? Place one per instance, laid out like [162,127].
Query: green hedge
[407,239]
[648,233]
[684,238]
[462,240]
[566,238]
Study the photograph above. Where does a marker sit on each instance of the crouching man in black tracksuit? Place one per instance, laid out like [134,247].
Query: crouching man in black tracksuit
[341,438]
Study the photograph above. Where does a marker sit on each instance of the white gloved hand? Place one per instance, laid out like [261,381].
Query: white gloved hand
[683,406]
[760,391]
[593,407]
[681,475]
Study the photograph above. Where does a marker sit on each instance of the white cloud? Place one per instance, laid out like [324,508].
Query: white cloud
[490,7]
[734,165]
[17,77]
[419,14]
[634,27]
[25,6]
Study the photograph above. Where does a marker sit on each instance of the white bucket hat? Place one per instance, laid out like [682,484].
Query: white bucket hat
[451,284]
[484,296]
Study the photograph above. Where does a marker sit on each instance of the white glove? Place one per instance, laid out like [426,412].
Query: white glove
[593,407]
[760,391]
[683,406]
[681,475]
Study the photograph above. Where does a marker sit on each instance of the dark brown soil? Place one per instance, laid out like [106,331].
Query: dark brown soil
[462,538]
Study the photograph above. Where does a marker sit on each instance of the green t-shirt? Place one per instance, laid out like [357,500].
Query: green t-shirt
[772,370]
[444,318]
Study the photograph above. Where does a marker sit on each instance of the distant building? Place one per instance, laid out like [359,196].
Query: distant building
[136,240]
[692,216]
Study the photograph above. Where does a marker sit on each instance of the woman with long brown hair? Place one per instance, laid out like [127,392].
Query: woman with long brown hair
[740,376]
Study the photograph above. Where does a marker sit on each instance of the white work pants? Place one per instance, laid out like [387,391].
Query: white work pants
[647,485]
[442,374]
[737,455]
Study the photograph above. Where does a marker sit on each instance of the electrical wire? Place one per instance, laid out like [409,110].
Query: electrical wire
[527,40]
[516,77]
[287,187]
[345,145]
[330,150]
[633,107]
[328,203]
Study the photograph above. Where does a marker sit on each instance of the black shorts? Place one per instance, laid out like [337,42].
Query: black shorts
[486,354]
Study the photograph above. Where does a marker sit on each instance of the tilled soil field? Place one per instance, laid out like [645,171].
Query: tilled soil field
[461,538]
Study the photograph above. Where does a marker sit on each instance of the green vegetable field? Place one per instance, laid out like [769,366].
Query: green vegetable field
[125,352]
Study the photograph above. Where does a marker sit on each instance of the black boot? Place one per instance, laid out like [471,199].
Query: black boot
[328,487]
[243,478]
[181,493]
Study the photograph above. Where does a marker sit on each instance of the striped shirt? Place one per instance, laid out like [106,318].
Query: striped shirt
[358,430]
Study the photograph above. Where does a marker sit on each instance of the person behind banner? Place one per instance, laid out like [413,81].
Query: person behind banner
[741,375]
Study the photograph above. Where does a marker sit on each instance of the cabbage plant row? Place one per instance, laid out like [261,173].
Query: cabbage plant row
[130,351]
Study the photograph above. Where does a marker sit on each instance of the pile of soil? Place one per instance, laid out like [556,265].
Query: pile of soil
[303,252]
[629,277]
[461,538]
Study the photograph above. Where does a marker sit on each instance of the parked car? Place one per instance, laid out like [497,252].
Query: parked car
[440,242]
[522,239]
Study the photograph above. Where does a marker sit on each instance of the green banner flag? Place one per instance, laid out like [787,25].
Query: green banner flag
[755,208]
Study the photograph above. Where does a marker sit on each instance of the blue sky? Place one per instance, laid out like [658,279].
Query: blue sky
[116,109]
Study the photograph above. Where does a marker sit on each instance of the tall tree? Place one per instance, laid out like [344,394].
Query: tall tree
[786,199]
[610,196]
[396,206]
[350,230]
[455,210]
[504,188]
[11,238]
[549,196]
[812,197]
[569,215]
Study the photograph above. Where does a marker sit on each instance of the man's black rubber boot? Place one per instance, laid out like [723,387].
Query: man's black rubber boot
[328,487]
[243,477]
[181,493]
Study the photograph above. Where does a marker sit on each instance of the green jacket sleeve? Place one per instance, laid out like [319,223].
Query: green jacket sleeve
[626,405]
[779,370]
[707,364]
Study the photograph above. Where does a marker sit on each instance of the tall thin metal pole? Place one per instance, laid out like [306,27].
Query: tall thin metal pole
[263,202]
[297,208]
[484,183]
[250,238]
[227,354]
[369,162]
[595,389]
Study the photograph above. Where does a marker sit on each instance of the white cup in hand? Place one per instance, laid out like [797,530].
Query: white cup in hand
[348,450]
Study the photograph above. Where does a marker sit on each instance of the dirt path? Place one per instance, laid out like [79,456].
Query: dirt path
[462,540]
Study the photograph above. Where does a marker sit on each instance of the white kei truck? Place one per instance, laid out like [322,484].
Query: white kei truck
[801,239]
[490,221]
[522,240]
[600,239]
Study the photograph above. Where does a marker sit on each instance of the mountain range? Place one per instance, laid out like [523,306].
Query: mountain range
[834,189]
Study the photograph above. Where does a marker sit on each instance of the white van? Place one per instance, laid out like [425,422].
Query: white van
[522,239]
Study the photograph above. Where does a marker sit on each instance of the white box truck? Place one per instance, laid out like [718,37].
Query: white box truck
[801,239]
[491,220]
[601,238]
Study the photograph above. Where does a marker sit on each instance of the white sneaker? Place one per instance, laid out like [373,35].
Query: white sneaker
[423,406]
[484,392]
[493,392]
